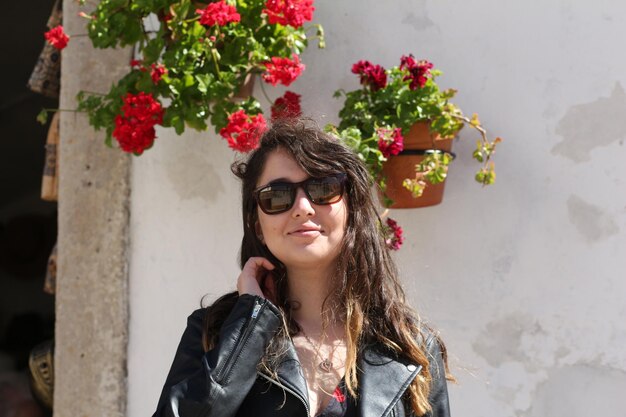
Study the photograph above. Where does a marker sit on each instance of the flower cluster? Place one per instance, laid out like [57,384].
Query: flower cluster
[287,106]
[283,70]
[419,71]
[218,13]
[199,63]
[393,235]
[157,72]
[390,141]
[371,75]
[243,132]
[57,37]
[289,12]
[134,128]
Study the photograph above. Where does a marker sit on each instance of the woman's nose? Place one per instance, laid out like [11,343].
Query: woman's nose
[302,205]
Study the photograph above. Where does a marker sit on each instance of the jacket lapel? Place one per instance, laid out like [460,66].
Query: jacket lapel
[289,370]
[382,382]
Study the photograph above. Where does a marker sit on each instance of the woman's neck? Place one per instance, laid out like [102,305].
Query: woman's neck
[308,289]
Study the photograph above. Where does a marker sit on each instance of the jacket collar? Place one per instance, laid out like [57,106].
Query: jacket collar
[382,382]
[382,379]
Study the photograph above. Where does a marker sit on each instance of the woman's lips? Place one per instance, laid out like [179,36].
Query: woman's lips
[306,232]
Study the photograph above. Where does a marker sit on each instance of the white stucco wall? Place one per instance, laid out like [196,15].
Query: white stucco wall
[524,279]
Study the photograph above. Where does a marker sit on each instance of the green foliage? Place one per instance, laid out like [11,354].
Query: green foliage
[365,148]
[397,105]
[42,117]
[205,66]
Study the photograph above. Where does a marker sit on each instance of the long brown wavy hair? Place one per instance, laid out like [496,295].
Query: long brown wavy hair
[366,280]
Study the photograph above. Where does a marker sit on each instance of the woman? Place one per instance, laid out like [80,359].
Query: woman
[318,325]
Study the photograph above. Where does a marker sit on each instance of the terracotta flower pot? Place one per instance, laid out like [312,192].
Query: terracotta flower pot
[246,89]
[399,167]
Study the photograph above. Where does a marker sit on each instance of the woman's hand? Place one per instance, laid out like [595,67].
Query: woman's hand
[254,275]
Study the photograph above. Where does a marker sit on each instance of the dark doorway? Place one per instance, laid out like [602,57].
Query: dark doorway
[27,223]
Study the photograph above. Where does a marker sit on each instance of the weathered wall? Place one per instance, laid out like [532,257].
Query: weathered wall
[92,285]
[524,279]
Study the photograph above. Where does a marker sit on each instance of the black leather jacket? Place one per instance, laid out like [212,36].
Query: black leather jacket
[224,382]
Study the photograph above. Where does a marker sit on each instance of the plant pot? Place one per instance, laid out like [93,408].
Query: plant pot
[397,168]
[246,89]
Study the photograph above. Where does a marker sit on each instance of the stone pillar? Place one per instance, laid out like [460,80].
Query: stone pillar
[92,287]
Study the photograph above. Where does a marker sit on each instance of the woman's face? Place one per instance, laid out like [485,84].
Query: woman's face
[307,235]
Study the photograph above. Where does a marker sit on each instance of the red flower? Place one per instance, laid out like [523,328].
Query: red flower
[393,235]
[390,141]
[287,106]
[373,76]
[138,64]
[134,128]
[157,72]
[57,38]
[289,12]
[283,70]
[419,71]
[243,132]
[218,13]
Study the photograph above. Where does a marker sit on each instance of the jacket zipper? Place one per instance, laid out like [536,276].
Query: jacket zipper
[289,390]
[251,320]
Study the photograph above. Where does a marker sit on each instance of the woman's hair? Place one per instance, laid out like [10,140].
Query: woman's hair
[366,282]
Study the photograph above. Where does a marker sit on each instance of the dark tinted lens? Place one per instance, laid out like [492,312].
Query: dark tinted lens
[276,198]
[325,190]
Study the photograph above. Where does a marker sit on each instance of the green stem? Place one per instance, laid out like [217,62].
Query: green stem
[215,62]
[70,110]
[94,93]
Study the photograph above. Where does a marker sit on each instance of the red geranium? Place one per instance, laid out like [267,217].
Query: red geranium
[390,141]
[287,106]
[134,128]
[57,38]
[243,132]
[157,72]
[218,13]
[371,75]
[393,235]
[283,70]
[419,71]
[289,12]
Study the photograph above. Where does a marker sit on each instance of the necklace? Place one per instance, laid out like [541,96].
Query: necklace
[326,364]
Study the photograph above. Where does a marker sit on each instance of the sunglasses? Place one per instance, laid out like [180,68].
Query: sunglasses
[278,197]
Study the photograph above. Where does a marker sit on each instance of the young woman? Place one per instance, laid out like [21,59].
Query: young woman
[319,325]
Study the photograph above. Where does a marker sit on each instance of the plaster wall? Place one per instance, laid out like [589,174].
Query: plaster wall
[524,279]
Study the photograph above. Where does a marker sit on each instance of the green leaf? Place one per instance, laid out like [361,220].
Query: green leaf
[204,81]
[188,80]
[42,117]
[179,124]
[152,50]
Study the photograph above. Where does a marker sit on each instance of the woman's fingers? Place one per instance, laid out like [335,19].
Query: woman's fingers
[251,275]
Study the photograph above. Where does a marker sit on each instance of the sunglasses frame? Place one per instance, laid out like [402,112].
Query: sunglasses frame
[294,190]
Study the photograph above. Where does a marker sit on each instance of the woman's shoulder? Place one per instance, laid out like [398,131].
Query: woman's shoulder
[430,341]
[214,312]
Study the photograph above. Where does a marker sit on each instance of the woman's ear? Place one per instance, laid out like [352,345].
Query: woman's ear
[259,232]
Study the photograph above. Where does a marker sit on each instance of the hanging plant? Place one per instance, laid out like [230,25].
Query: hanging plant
[189,70]
[376,118]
